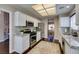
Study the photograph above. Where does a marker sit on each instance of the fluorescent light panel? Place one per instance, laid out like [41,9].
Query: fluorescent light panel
[38,7]
[51,11]
[48,5]
[45,9]
[42,12]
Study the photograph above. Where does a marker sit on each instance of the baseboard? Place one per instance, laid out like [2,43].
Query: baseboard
[2,40]
[10,52]
[14,52]
[45,39]
[62,52]
[26,51]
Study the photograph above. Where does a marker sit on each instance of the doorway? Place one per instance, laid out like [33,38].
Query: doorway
[50,30]
[4,32]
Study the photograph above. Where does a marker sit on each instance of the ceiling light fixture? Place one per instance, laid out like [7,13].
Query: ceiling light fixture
[38,7]
[45,9]
[49,5]
[42,12]
[67,6]
[51,11]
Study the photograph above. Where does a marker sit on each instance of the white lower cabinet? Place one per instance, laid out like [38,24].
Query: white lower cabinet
[70,50]
[67,48]
[21,43]
[38,37]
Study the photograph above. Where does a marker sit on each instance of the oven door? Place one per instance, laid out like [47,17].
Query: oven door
[33,40]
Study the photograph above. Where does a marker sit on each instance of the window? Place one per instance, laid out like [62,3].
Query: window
[73,22]
[51,27]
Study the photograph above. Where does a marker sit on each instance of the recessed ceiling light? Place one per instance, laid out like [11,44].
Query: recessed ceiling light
[61,7]
[67,6]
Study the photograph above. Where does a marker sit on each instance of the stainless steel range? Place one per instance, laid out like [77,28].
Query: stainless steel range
[32,38]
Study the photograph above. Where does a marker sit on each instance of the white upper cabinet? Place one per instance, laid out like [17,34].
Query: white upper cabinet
[29,18]
[20,19]
[64,22]
[34,20]
[77,13]
[73,22]
[35,24]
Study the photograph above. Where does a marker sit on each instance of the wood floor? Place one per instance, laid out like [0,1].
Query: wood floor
[4,47]
[45,47]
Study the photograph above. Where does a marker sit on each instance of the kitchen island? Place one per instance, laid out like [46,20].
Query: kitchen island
[71,44]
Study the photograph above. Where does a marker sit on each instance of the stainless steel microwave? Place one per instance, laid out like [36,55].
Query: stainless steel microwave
[29,24]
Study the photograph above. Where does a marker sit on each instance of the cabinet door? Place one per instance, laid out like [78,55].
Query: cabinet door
[74,51]
[67,48]
[18,44]
[77,18]
[21,43]
[29,18]
[35,24]
[20,19]
[77,7]
[38,36]
[26,42]
[73,22]
[77,13]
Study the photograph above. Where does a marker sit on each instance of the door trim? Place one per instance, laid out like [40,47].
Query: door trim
[10,28]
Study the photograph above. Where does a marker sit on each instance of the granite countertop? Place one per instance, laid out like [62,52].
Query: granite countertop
[71,41]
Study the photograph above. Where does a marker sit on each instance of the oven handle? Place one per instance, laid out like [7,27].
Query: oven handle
[33,35]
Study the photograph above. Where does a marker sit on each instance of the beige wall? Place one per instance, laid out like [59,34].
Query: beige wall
[57,33]
[45,22]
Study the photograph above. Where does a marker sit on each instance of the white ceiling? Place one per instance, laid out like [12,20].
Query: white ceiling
[60,9]
[64,8]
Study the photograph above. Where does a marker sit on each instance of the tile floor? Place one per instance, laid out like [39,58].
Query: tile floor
[45,47]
